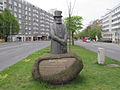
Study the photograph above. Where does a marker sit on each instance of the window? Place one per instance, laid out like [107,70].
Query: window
[26,12]
[29,18]
[10,7]
[29,14]
[29,32]
[19,5]
[10,2]
[15,3]
[15,9]
[20,10]
[20,27]
[1,8]
[20,16]
[26,8]
[15,14]
[29,28]
[29,9]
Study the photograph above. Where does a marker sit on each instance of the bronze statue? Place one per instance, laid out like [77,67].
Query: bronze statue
[58,34]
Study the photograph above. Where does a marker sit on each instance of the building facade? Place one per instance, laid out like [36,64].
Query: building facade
[34,22]
[111,25]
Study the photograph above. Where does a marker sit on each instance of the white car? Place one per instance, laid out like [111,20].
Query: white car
[88,41]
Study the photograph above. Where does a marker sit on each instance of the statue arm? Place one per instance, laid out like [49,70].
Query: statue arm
[54,37]
[64,40]
[65,36]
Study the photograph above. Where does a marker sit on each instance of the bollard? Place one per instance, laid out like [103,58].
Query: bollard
[101,56]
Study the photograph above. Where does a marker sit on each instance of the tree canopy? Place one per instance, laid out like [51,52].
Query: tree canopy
[93,32]
[73,24]
[1,25]
[8,24]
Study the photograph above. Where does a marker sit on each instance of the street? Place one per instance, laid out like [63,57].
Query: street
[10,53]
[111,50]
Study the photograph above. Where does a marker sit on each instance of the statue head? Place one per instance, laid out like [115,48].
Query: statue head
[58,16]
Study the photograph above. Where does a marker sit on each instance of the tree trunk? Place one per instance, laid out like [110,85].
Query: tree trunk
[72,38]
[6,38]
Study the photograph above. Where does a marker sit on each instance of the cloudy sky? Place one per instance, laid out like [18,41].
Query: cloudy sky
[88,9]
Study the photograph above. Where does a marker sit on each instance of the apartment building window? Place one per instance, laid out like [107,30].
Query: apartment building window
[10,7]
[15,3]
[15,9]
[20,5]
[29,9]
[26,12]
[29,14]
[29,18]
[35,32]
[29,32]
[1,8]
[20,16]
[29,28]
[5,5]
[26,8]
[15,14]
[10,2]
[20,27]
[20,21]
[20,33]
[25,17]
[29,23]
[26,27]
[20,10]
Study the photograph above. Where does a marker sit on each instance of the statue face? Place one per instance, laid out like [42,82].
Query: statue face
[58,20]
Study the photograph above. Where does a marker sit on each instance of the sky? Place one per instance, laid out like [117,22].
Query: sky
[90,10]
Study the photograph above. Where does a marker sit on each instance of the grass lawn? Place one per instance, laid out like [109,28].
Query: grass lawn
[92,77]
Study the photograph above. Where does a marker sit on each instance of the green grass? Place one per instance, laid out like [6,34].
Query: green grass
[92,77]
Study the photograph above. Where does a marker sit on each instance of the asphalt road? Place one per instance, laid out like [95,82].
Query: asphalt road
[111,50]
[10,53]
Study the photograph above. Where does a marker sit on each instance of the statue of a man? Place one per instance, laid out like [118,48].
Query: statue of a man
[58,34]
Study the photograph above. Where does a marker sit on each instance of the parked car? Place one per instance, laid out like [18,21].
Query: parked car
[88,41]
[84,40]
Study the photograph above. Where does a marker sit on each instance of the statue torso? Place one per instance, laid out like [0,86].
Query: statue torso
[59,30]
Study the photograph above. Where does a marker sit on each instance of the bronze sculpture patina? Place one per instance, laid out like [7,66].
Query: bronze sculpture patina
[58,34]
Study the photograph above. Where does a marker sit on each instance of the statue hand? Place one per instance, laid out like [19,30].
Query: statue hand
[63,42]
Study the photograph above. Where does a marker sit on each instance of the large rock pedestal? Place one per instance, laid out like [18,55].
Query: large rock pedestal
[57,68]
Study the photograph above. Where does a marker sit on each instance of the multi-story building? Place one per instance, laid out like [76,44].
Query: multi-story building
[111,25]
[34,22]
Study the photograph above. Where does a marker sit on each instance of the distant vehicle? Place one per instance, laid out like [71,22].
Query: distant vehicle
[84,40]
[88,40]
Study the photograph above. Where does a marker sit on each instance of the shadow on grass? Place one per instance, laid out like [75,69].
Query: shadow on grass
[76,82]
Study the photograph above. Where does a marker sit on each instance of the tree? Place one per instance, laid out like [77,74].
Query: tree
[11,25]
[82,34]
[1,25]
[94,31]
[73,23]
